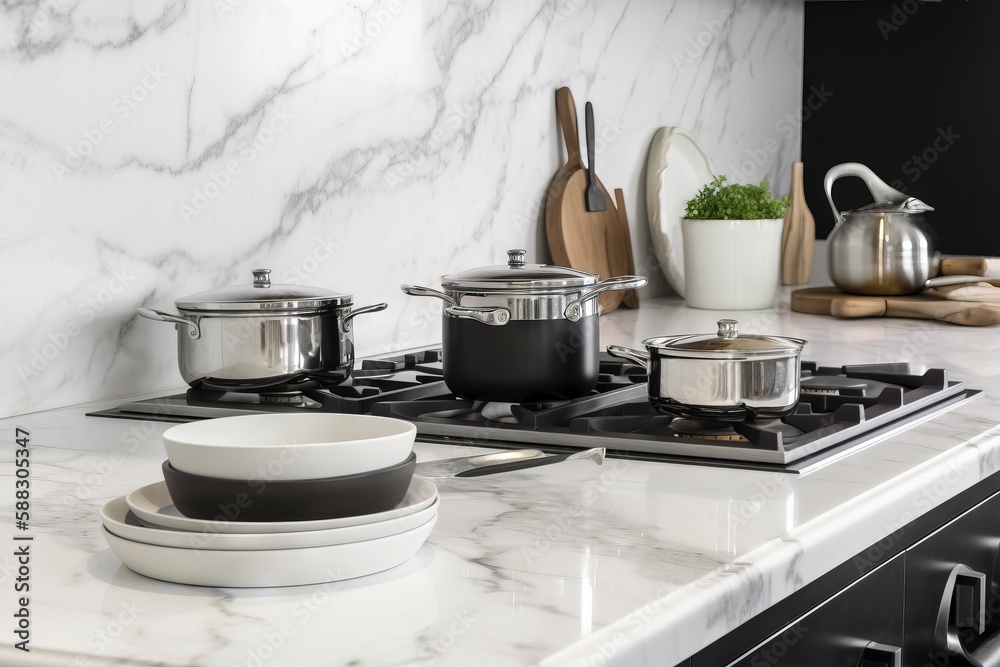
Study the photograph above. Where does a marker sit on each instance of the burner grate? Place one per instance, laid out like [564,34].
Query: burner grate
[840,408]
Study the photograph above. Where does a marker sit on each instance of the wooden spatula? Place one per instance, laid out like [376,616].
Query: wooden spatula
[595,198]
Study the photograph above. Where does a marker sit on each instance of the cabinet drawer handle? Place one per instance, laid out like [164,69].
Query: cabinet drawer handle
[963,606]
[880,655]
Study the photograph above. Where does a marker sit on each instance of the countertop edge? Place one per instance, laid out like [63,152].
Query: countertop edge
[668,629]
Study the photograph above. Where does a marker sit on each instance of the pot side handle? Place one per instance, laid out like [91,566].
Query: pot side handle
[574,310]
[361,311]
[417,290]
[494,316]
[879,189]
[638,356]
[194,331]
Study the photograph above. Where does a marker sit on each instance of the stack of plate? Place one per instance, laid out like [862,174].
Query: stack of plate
[344,527]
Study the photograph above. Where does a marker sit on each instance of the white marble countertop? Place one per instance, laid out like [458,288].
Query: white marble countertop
[631,563]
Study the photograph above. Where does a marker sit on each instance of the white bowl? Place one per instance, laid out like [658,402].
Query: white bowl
[288,446]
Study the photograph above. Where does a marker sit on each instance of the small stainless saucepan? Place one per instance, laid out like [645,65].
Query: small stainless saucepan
[263,336]
[725,376]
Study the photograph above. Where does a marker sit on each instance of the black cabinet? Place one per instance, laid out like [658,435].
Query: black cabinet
[864,621]
[953,593]
[927,597]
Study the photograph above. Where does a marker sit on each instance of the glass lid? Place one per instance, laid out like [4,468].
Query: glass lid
[726,342]
[516,275]
[263,295]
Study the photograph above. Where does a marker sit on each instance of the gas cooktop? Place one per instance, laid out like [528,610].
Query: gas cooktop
[840,410]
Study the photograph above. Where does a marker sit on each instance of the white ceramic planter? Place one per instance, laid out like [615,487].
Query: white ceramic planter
[731,264]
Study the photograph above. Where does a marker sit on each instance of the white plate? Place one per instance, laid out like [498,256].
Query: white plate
[272,567]
[677,167]
[153,506]
[115,517]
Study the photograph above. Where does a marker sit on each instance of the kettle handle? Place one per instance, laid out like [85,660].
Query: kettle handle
[880,190]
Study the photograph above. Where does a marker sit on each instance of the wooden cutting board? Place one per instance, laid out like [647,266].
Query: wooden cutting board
[579,238]
[620,252]
[831,301]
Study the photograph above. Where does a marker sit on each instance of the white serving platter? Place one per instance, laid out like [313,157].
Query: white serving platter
[154,507]
[272,567]
[116,518]
[677,167]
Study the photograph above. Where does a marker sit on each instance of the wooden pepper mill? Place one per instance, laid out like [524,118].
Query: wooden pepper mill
[798,236]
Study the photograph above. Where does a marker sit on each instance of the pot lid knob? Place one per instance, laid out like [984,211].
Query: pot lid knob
[262,277]
[516,258]
[727,328]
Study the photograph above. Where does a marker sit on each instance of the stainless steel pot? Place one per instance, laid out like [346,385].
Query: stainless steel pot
[726,376]
[264,336]
[884,248]
[521,332]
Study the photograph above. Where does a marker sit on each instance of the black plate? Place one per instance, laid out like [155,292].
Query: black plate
[217,499]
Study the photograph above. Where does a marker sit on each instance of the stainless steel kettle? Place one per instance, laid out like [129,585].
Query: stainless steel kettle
[883,248]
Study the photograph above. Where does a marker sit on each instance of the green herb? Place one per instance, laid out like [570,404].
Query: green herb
[721,201]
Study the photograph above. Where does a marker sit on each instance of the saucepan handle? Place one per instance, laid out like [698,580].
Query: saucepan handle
[574,309]
[417,290]
[494,316]
[638,356]
[194,331]
[361,311]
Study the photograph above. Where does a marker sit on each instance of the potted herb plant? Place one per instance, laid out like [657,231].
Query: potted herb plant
[732,246]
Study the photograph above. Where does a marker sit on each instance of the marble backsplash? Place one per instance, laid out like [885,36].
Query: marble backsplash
[153,150]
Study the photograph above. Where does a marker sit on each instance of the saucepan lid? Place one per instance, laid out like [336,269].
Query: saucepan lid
[263,295]
[726,343]
[516,275]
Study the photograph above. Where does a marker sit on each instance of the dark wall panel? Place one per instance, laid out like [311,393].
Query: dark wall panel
[912,90]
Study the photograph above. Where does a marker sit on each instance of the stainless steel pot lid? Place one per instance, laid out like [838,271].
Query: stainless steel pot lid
[516,275]
[263,295]
[728,342]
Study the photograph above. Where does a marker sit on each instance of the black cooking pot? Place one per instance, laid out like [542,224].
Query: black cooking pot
[521,332]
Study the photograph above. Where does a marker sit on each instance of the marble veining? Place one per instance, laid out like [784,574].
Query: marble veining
[159,149]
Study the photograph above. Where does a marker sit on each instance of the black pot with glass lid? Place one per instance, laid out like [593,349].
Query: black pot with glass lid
[521,332]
